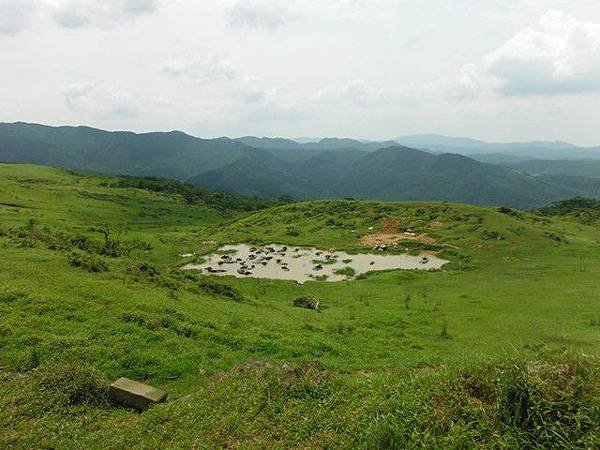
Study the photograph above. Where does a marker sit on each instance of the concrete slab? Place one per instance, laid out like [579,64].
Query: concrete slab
[136,395]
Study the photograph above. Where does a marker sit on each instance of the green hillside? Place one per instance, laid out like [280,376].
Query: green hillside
[497,350]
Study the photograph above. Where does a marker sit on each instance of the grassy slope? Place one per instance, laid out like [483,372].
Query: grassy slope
[383,364]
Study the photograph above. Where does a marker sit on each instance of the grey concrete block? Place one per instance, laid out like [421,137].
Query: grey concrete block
[136,395]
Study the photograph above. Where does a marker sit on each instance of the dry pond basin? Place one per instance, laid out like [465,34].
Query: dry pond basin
[303,264]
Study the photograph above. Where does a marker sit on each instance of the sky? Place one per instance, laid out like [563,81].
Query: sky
[502,70]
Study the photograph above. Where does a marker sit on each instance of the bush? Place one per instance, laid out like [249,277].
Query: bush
[292,231]
[347,271]
[195,195]
[221,290]
[144,269]
[91,263]
[492,236]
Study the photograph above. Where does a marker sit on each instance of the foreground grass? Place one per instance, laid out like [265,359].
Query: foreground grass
[548,404]
[487,352]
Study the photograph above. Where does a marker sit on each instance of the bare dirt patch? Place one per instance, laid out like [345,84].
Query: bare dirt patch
[390,226]
[379,239]
[393,233]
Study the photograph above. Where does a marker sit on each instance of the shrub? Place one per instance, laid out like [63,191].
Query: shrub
[347,271]
[144,269]
[292,231]
[91,263]
[509,212]
[492,235]
[221,290]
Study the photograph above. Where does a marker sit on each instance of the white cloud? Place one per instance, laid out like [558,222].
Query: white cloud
[258,14]
[199,69]
[105,13]
[561,55]
[99,101]
[250,94]
[356,92]
[15,15]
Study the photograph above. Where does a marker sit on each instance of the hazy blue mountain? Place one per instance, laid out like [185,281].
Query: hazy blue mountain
[321,144]
[531,150]
[579,168]
[270,143]
[499,158]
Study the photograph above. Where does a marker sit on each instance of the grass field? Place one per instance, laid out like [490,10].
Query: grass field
[498,350]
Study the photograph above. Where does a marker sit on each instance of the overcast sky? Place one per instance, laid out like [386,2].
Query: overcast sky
[499,70]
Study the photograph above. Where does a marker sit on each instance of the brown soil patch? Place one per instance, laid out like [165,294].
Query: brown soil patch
[390,226]
[391,233]
[435,225]
[376,239]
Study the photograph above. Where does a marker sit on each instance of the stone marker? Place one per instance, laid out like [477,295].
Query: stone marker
[307,302]
[136,395]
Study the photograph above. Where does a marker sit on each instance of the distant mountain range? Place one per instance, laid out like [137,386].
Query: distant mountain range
[439,144]
[327,168]
[530,150]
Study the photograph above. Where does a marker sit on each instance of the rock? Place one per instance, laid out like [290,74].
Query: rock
[307,302]
[136,395]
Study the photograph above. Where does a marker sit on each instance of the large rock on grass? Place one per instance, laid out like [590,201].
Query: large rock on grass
[307,302]
[136,395]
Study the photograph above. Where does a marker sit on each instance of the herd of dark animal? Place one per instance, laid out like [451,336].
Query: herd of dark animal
[264,256]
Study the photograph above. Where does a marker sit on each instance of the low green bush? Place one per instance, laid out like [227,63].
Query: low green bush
[91,263]
[220,290]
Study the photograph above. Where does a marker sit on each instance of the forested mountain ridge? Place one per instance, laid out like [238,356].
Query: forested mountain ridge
[275,167]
